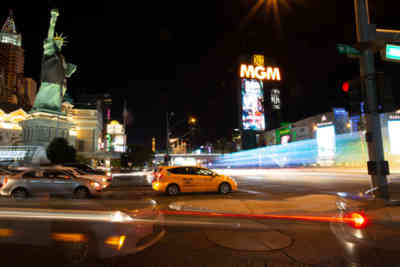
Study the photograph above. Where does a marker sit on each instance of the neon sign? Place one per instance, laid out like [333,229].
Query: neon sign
[260,72]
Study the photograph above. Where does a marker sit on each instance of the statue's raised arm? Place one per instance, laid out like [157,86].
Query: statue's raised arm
[53,20]
[49,45]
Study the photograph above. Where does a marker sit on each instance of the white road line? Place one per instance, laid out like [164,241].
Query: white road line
[251,192]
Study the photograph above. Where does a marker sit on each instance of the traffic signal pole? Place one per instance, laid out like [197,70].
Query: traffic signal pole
[366,32]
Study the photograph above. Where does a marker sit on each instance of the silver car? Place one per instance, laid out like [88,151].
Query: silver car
[48,181]
[81,174]
[80,231]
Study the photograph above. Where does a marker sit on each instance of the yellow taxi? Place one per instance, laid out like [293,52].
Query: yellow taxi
[175,179]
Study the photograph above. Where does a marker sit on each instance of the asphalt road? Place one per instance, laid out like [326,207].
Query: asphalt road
[188,240]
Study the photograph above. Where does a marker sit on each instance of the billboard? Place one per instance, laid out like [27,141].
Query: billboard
[285,134]
[285,139]
[275,99]
[253,115]
[114,127]
[341,120]
[394,133]
[119,143]
[326,141]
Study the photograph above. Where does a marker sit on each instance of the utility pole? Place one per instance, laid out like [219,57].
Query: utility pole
[366,33]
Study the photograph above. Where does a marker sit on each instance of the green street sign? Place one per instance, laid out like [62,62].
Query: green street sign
[392,52]
[348,50]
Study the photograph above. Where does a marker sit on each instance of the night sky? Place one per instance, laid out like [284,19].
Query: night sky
[181,56]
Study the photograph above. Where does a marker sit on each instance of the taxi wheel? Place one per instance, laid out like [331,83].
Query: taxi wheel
[224,188]
[172,190]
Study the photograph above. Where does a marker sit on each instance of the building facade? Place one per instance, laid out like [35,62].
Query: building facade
[178,146]
[11,130]
[15,88]
[87,128]
[116,137]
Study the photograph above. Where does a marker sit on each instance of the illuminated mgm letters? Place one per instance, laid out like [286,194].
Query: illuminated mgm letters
[260,72]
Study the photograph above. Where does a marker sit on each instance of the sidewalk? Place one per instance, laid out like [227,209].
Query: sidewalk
[267,240]
[319,208]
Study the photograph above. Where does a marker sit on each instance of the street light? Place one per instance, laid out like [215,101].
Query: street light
[192,120]
[273,5]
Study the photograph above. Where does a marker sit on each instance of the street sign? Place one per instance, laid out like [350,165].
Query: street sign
[392,53]
[348,50]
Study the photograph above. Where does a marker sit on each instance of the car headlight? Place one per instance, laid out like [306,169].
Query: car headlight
[120,217]
[95,185]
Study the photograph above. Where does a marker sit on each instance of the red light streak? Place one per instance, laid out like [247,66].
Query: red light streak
[358,220]
[354,219]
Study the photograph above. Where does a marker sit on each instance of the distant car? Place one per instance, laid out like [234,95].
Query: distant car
[175,179]
[48,181]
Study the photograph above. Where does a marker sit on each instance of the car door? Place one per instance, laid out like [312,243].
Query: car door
[62,183]
[36,182]
[181,176]
[203,179]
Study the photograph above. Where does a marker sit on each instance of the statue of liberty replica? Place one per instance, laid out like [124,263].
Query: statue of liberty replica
[54,73]
[46,119]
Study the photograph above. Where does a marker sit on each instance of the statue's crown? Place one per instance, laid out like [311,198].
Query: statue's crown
[61,38]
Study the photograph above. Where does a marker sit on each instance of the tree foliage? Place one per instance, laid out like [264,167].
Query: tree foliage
[59,151]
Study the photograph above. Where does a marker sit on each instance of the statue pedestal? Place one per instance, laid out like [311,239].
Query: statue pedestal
[40,128]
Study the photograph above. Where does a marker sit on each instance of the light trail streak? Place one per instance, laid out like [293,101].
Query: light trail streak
[357,220]
[296,154]
[259,216]
[86,215]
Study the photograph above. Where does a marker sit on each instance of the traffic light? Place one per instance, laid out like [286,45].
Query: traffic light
[356,93]
[355,90]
